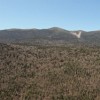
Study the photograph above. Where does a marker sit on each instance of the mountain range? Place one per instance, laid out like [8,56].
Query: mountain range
[51,36]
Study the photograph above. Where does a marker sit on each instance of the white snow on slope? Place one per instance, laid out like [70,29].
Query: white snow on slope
[77,34]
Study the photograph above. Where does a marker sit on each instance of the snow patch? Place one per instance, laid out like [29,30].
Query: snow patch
[77,34]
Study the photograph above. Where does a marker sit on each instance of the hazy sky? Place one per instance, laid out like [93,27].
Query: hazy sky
[68,14]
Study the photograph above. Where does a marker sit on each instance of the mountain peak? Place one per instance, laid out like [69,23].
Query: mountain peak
[56,28]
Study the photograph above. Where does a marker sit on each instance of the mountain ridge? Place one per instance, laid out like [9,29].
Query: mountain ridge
[54,35]
[51,28]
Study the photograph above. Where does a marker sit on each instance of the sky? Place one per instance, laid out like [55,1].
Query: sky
[67,14]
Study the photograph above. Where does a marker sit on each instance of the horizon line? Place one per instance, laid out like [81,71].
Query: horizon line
[17,28]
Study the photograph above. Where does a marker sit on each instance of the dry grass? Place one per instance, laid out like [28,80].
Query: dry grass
[49,73]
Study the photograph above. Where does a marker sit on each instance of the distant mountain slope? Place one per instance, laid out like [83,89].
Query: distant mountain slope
[53,35]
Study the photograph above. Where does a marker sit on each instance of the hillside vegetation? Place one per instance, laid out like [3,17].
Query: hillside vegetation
[49,72]
[52,36]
